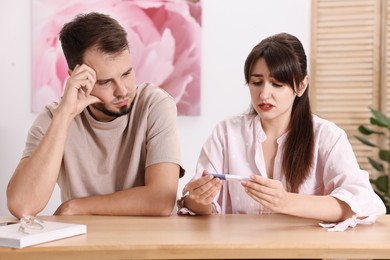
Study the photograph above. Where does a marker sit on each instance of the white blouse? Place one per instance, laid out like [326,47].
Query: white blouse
[235,148]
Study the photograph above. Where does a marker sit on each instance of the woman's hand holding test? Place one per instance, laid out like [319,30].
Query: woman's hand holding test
[268,192]
[201,193]
[204,189]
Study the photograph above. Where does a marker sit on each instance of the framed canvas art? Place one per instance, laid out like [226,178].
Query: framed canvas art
[164,38]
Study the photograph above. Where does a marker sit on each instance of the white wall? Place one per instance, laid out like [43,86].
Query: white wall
[230,29]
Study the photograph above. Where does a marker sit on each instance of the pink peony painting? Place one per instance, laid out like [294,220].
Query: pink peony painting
[164,38]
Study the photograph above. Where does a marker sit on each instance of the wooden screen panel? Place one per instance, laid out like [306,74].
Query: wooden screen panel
[385,93]
[345,64]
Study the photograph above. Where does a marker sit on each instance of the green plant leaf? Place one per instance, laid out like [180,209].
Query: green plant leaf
[375,121]
[365,131]
[379,118]
[384,155]
[376,165]
[379,122]
[365,141]
[382,183]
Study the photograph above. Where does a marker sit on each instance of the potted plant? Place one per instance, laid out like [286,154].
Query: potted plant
[380,126]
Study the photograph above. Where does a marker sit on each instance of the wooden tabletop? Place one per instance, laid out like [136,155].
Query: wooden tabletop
[210,237]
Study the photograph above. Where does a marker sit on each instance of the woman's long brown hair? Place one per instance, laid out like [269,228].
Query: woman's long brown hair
[286,61]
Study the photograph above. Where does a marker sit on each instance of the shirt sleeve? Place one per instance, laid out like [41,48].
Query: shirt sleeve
[343,178]
[37,131]
[162,137]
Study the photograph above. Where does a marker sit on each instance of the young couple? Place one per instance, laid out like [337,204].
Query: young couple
[113,149]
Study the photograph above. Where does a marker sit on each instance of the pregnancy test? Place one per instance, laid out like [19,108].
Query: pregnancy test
[227,177]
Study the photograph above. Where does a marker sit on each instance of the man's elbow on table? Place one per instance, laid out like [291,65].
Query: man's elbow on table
[19,209]
[163,206]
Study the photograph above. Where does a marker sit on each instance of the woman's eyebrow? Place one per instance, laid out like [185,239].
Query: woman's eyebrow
[256,75]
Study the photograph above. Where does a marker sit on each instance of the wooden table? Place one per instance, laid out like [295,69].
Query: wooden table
[210,237]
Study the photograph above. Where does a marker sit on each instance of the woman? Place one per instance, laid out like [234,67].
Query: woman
[293,162]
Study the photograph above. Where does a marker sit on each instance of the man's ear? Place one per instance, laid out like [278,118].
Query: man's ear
[303,86]
[70,72]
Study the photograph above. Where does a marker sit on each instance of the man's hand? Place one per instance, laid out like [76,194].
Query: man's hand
[78,89]
[70,207]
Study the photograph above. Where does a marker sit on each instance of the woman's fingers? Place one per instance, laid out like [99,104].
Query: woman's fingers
[204,189]
[270,193]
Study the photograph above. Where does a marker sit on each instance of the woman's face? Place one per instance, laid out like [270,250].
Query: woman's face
[271,99]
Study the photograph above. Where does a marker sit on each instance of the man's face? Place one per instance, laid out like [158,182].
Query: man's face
[115,83]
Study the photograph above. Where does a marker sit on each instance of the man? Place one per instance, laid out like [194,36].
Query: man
[112,146]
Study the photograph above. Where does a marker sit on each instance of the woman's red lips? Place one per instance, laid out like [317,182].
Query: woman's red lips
[265,107]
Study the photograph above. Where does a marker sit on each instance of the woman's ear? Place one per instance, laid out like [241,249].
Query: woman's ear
[70,72]
[303,86]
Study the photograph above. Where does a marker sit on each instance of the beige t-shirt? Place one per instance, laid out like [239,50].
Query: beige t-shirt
[105,157]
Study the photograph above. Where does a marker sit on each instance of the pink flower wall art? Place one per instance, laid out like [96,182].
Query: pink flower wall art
[164,37]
